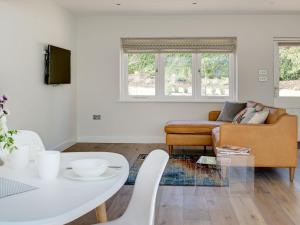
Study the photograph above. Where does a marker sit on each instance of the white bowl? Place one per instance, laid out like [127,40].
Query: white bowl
[89,167]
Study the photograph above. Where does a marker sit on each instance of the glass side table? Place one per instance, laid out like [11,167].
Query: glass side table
[238,173]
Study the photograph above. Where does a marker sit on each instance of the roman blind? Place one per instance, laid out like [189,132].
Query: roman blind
[288,43]
[169,45]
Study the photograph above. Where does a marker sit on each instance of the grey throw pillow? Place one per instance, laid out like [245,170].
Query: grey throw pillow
[230,110]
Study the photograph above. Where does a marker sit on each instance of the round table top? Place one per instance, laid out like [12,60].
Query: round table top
[61,200]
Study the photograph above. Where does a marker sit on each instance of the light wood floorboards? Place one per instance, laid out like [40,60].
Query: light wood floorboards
[275,201]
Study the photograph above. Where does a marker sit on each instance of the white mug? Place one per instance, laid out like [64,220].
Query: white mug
[48,163]
[19,157]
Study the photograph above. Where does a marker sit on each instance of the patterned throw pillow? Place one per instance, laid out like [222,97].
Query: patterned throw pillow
[255,117]
[238,118]
[259,107]
[247,113]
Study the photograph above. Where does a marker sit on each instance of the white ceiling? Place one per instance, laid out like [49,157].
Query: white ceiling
[180,6]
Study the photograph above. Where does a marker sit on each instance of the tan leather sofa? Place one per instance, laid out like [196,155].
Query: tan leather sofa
[273,144]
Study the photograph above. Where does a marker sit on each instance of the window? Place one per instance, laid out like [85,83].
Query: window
[141,74]
[215,70]
[289,69]
[196,69]
[178,74]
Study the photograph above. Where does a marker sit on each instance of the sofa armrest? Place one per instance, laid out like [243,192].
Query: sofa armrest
[213,115]
[272,145]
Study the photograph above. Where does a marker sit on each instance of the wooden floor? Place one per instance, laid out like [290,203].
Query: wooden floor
[274,201]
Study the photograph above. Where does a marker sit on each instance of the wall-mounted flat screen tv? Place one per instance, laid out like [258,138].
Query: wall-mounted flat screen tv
[58,65]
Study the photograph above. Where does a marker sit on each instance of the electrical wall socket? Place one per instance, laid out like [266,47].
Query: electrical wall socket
[262,72]
[263,78]
[97,117]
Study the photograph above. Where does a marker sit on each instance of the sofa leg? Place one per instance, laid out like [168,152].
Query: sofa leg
[292,173]
[170,149]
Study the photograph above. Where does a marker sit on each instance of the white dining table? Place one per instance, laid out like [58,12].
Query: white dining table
[61,200]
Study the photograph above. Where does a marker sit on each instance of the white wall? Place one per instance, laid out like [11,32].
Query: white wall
[26,28]
[98,48]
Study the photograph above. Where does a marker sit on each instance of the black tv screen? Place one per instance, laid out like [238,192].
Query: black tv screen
[58,66]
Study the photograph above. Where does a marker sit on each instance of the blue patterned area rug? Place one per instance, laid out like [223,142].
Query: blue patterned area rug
[182,170]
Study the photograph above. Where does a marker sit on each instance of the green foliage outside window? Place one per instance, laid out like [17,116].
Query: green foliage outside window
[179,64]
[289,63]
[141,63]
[215,65]
[178,73]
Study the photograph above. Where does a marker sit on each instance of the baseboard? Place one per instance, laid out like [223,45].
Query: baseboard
[64,145]
[113,139]
[121,139]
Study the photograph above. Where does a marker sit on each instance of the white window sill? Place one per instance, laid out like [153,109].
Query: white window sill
[175,100]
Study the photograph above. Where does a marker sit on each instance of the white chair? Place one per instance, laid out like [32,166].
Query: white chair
[141,208]
[31,139]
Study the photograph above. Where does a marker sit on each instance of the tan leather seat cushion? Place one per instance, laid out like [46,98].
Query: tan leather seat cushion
[191,126]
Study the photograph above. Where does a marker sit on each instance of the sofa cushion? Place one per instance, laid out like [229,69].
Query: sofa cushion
[274,113]
[255,117]
[230,110]
[238,118]
[191,126]
[258,106]
[248,115]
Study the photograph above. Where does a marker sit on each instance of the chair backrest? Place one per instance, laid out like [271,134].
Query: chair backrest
[31,139]
[142,204]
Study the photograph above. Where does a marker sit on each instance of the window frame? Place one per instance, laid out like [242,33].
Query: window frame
[277,42]
[160,82]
